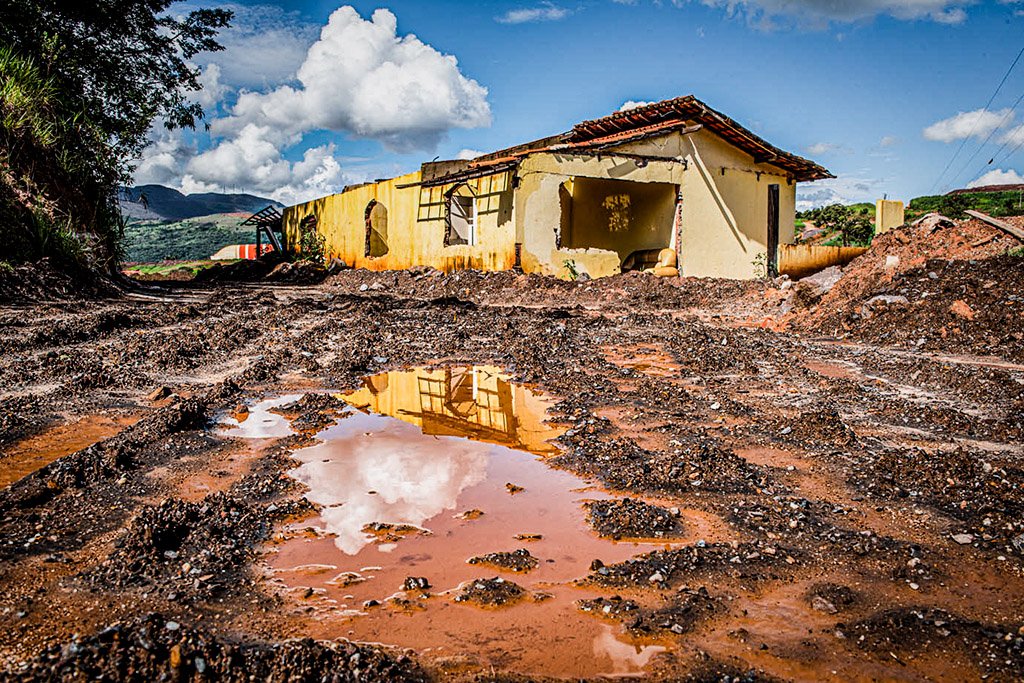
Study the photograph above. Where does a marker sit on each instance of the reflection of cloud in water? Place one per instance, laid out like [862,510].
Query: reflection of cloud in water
[625,658]
[415,476]
[260,423]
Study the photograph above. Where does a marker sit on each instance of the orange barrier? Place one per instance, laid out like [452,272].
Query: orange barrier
[239,251]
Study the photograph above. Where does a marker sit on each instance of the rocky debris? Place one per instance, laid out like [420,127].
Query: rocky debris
[386,532]
[676,617]
[662,568]
[528,537]
[935,285]
[629,518]
[313,412]
[154,648]
[159,394]
[809,290]
[470,515]
[415,583]
[882,300]
[191,550]
[820,429]
[493,592]
[997,650]
[979,489]
[697,464]
[514,488]
[831,598]
[107,459]
[515,561]
[930,222]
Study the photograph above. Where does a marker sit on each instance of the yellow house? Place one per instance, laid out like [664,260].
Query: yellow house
[607,196]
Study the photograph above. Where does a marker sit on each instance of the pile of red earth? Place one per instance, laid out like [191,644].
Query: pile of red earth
[937,285]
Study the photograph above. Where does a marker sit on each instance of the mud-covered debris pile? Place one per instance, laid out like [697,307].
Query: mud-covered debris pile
[678,616]
[191,550]
[662,568]
[514,561]
[947,286]
[312,412]
[997,651]
[981,491]
[629,518]
[493,592]
[154,648]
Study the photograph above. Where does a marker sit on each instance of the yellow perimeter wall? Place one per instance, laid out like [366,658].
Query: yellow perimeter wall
[723,231]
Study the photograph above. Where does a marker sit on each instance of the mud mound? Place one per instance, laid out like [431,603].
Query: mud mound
[46,281]
[153,648]
[190,549]
[102,460]
[979,489]
[270,268]
[493,592]
[506,288]
[934,286]
[678,616]
[997,650]
[515,561]
[628,518]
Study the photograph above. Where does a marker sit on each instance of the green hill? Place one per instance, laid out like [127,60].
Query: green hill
[148,240]
[1010,203]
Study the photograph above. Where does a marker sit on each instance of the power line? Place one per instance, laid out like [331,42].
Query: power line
[1006,116]
[977,120]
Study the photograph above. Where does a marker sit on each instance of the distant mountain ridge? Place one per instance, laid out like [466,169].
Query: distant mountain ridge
[156,203]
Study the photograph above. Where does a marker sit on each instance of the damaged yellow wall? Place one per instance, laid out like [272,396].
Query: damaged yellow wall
[416,225]
[539,208]
[724,226]
[724,213]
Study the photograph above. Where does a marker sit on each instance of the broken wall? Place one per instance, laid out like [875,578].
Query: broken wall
[595,246]
[416,225]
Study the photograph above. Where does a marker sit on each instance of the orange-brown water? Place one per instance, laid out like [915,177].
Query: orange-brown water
[40,450]
[458,438]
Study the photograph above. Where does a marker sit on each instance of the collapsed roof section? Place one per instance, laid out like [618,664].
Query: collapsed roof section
[686,114]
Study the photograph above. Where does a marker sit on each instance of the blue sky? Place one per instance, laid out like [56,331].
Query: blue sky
[881,92]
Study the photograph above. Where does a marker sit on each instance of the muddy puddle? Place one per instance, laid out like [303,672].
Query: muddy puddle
[424,474]
[35,452]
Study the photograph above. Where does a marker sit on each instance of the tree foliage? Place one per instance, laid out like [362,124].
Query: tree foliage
[80,85]
[855,226]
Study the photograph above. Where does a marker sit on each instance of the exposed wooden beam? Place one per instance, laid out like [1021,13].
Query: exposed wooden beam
[996,223]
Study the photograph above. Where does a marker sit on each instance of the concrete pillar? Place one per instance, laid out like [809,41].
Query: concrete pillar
[888,214]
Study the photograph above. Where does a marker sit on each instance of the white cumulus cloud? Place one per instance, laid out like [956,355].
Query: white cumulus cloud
[978,123]
[164,159]
[841,190]
[360,78]
[998,176]
[823,148]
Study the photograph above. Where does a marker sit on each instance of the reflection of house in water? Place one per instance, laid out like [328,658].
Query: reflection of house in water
[478,403]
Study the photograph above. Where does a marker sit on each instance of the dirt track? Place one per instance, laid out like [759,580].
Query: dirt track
[827,479]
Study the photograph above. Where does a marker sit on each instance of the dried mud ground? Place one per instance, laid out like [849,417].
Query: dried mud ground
[860,506]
